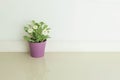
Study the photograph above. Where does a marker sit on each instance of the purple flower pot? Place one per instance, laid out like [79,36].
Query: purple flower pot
[37,49]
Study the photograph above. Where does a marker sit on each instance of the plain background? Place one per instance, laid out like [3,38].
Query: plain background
[77,20]
[69,19]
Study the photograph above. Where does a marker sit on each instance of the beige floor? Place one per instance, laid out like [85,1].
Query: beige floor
[60,66]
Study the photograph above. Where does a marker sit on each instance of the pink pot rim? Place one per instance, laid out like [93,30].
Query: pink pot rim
[37,42]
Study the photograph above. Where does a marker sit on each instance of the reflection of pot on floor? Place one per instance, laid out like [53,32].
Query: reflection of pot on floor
[37,69]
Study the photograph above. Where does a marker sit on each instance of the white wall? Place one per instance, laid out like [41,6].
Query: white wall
[76,20]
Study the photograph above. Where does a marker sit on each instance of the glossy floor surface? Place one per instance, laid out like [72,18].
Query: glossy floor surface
[60,66]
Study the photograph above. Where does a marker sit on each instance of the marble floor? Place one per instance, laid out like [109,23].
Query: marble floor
[60,66]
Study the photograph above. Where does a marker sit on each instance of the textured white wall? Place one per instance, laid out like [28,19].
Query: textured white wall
[81,20]
[69,19]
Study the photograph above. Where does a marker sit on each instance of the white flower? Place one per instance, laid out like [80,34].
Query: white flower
[30,30]
[35,27]
[45,32]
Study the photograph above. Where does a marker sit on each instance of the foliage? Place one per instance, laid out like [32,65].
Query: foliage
[37,32]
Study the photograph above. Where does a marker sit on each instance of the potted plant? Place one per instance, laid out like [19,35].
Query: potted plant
[37,37]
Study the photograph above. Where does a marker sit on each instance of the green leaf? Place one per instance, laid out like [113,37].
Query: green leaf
[45,26]
[33,22]
[48,28]
[26,29]
[27,38]
[39,30]
[42,23]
